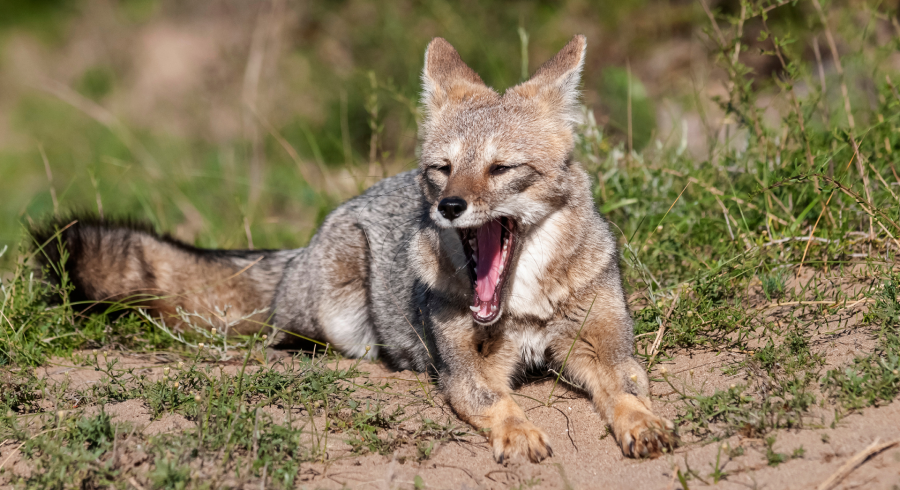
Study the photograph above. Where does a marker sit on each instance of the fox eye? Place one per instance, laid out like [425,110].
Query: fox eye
[444,168]
[498,169]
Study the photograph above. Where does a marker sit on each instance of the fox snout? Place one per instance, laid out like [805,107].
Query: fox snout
[452,207]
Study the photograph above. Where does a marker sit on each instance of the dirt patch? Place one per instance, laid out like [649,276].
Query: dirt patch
[585,454]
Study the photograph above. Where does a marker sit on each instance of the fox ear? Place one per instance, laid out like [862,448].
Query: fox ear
[446,76]
[557,80]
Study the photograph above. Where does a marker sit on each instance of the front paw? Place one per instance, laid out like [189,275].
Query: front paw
[642,434]
[517,437]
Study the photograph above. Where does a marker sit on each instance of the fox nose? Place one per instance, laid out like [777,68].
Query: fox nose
[452,207]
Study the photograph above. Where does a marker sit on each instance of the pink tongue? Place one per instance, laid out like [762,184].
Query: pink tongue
[487,272]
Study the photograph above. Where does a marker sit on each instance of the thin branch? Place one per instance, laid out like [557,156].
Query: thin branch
[855,462]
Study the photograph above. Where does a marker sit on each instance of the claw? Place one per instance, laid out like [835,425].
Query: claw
[519,438]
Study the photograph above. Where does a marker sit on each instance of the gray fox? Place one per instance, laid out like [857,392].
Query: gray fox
[488,259]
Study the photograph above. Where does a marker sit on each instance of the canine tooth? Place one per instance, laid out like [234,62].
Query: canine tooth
[475,309]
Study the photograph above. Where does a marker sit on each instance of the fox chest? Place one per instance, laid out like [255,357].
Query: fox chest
[538,283]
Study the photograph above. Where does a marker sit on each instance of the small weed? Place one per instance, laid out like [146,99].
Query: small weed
[527,483]
[774,458]
[872,379]
[94,433]
[718,473]
[418,483]
[424,449]
[774,284]
[365,426]
[74,453]
[170,475]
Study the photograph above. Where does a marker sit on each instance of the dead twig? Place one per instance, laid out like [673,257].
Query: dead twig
[855,462]
[134,483]
[662,330]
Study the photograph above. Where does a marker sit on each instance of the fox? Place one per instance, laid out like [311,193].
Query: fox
[487,260]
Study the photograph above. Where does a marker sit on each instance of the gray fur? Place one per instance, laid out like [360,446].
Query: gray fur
[388,216]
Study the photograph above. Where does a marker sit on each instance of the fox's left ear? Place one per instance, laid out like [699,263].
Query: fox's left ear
[446,77]
[556,81]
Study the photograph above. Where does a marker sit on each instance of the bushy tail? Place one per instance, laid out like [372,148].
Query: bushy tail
[118,262]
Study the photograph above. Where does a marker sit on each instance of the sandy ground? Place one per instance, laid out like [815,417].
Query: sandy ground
[585,455]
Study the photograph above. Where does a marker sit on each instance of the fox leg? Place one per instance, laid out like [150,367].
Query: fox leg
[477,368]
[601,361]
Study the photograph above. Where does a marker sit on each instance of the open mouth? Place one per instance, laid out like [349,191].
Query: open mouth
[489,250]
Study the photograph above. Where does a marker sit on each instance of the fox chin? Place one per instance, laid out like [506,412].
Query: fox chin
[488,259]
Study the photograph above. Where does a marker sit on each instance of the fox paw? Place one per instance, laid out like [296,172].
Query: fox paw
[515,437]
[642,434]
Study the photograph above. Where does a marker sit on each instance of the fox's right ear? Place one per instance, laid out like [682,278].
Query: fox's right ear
[556,81]
[445,76]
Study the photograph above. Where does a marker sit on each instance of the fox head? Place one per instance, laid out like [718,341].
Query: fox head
[494,165]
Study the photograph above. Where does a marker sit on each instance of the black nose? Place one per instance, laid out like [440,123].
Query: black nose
[452,207]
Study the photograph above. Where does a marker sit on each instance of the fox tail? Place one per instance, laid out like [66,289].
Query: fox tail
[116,262]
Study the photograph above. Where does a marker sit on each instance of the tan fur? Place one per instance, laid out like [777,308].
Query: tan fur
[139,269]
[618,384]
[483,398]
[510,433]
[204,287]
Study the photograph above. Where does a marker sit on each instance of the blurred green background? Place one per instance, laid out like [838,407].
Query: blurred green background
[236,123]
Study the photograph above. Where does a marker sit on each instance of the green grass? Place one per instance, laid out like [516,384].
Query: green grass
[873,379]
[778,237]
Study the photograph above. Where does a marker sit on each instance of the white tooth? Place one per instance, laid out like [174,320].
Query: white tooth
[474,260]
[475,309]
